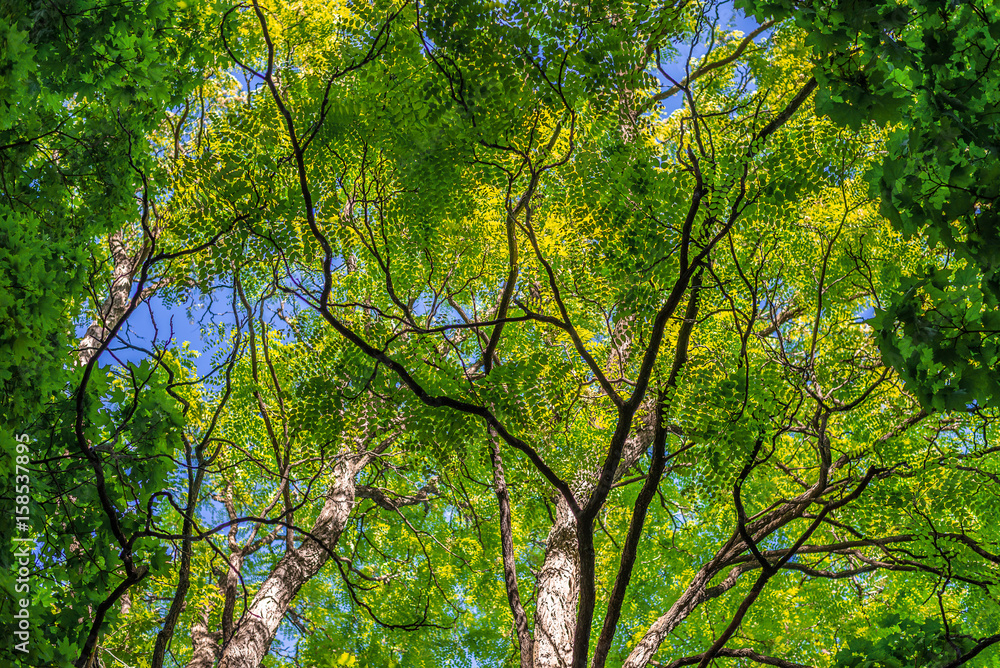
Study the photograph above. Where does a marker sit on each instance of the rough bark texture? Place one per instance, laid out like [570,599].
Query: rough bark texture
[558,581]
[558,586]
[256,629]
[125,266]
[638,443]
[206,644]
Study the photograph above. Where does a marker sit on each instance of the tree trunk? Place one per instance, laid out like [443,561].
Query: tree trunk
[256,629]
[206,644]
[559,580]
[558,586]
[125,266]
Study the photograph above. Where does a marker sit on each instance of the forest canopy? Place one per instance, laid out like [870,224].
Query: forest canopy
[547,334]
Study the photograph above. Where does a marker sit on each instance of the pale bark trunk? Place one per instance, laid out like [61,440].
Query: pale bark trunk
[559,579]
[125,266]
[558,586]
[256,630]
[206,644]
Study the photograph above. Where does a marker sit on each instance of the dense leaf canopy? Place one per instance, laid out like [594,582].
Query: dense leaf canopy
[466,333]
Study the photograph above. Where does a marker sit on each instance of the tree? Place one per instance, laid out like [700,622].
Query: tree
[83,84]
[539,339]
[924,68]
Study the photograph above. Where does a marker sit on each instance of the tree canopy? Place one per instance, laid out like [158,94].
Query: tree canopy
[464,333]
